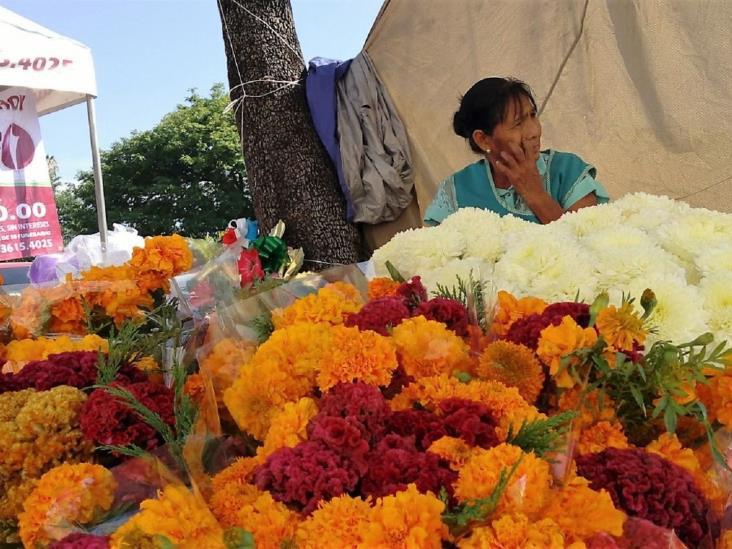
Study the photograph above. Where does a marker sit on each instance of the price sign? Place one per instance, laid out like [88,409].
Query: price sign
[28,218]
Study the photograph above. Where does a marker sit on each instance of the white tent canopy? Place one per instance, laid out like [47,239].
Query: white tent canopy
[58,69]
[641,89]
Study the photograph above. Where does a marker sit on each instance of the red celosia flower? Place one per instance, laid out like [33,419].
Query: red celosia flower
[250,267]
[76,369]
[647,486]
[357,402]
[395,463]
[305,475]
[425,427]
[379,315]
[79,540]
[527,330]
[471,421]
[448,311]
[413,291]
[399,380]
[107,420]
[342,435]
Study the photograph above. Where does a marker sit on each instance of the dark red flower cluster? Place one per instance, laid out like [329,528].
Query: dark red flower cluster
[647,486]
[527,330]
[413,291]
[343,436]
[395,462]
[422,426]
[469,420]
[380,315]
[77,369]
[107,420]
[399,380]
[448,311]
[358,402]
[79,540]
[306,474]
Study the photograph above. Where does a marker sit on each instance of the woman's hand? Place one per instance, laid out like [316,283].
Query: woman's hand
[520,171]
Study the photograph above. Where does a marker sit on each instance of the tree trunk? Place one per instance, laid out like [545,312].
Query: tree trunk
[290,175]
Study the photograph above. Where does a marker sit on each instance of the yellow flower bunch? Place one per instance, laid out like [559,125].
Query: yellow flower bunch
[556,342]
[429,348]
[582,512]
[528,490]
[21,351]
[114,290]
[162,258]
[328,305]
[408,519]
[335,524]
[38,431]
[354,355]
[515,531]
[514,365]
[178,515]
[64,497]
[288,426]
[510,309]
[455,450]
[223,362]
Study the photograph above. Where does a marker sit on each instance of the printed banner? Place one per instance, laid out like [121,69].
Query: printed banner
[28,218]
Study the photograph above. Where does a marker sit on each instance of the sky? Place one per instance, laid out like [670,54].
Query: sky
[149,53]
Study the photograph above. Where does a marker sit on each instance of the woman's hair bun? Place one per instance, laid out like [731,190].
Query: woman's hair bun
[460,124]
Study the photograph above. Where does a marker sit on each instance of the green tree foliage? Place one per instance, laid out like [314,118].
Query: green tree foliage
[185,175]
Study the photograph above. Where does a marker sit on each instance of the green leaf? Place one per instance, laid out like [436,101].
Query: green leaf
[463,377]
[542,436]
[162,542]
[238,538]
[670,419]
[638,397]
[396,276]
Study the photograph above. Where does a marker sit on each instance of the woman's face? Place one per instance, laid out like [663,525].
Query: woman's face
[520,127]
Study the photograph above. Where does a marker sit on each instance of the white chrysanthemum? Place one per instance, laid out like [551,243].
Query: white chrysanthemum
[483,232]
[448,274]
[680,315]
[713,260]
[717,293]
[587,221]
[416,251]
[616,237]
[649,212]
[691,233]
[619,268]
[546,263]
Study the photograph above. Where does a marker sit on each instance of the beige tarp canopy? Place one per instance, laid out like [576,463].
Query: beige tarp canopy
[640,88]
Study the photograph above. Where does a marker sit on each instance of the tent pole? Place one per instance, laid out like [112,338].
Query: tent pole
[98,182]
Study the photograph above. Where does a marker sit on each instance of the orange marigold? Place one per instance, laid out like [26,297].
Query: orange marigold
[162,258]
[514,365]
[328,306]
[178,515]
[66,495]
[601,435]
[582,512]
[29,315]
[510,309]
[528,489]
[270,522]
[357,356]
[455,450]
[68,317]
[717,395]
[195,388]
[428,348]
[515,531]
[382,287]
[224,360]
[408,519]
[621,327]
[725,540]
[288,426]
[557,342]
[593,406]
[336,524]
[114,290]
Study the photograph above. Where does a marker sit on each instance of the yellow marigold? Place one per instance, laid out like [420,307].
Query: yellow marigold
[582,512]
[408,519]
[21,351]
[428,348]
[357,356]
[515,531]
[621,327]
[382,287]
[328,306]
[455,450]
[224,360]
[593,406]
[510,309]
[528,489]
[178,515]
[66,495]
[669,447]
[601,435]
[288,426]
[558,341]
[513,365]
[336,524]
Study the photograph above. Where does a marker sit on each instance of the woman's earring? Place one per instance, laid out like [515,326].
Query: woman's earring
[487,151]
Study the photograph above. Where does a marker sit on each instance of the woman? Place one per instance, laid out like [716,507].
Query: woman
[499,119]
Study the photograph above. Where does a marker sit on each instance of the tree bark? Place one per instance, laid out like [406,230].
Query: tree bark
[290,175]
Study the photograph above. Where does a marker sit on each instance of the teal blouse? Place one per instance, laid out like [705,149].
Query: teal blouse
[566,177]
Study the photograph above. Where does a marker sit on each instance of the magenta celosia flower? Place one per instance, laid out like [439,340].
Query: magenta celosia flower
[471,421]
[342,435]
[79,540]
[423,426]
[358,402]
[413,291]
[448,311]
[379,315]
